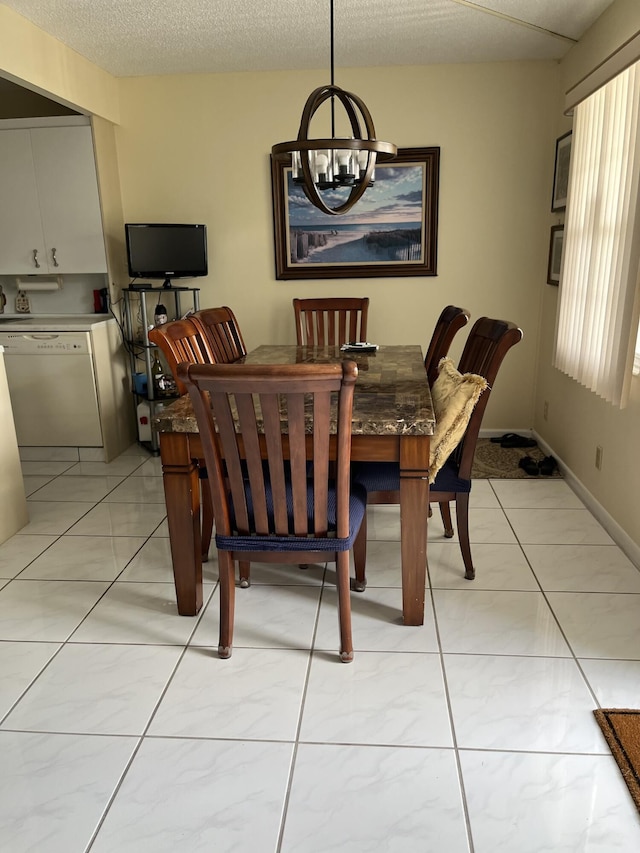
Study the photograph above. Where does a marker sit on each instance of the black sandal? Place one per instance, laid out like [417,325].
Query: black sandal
[498,439]
[548,466]
[512,439]
[529,466]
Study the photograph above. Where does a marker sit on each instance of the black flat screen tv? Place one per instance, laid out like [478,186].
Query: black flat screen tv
[160,251]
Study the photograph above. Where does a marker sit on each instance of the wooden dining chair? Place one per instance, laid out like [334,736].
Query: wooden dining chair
[449,323]
[181,340]
[330,322]
[209,336]
[222,332]
[486,346]
[284,511]
[220,329]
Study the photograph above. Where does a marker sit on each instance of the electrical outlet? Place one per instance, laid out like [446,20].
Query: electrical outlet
[599,458]
[545,410]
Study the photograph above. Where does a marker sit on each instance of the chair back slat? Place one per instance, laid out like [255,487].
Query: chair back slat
[270,407]
[181,340]
[297,449]
[320,326]
[321,416]
[247,427]
[243,413]
[220,328]
[331,321]
[296,427]
[224,423]
[450,321]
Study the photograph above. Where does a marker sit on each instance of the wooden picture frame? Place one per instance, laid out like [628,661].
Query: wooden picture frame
[561,173]
[556,241]
[362,243]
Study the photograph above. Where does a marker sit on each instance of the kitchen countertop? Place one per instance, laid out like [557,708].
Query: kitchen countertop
[51,322]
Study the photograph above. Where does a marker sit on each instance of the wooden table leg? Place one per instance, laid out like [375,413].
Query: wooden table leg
[414,507]
[182,497]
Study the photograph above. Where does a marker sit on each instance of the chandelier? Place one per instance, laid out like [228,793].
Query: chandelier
[334,163]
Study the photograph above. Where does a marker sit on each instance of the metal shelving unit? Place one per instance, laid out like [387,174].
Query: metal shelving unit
[137,301]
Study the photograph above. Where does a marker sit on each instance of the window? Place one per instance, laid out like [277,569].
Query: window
[599,292]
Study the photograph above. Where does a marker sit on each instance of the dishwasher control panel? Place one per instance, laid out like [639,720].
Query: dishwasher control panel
[43,343]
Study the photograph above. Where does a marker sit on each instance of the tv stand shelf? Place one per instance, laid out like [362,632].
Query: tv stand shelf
[161,288]
[136,332]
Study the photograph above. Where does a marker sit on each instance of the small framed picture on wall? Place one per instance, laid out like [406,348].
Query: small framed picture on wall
[555,254]
[561,173]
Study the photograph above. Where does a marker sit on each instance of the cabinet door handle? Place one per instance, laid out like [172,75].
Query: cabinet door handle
[53,258]
[36,262]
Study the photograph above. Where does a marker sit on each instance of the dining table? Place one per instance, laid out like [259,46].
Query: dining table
[392,421]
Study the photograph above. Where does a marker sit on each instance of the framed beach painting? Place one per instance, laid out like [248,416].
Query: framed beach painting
[392,231]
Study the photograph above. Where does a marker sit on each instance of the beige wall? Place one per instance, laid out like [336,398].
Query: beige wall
[110,201]
[578,420]
[196,148]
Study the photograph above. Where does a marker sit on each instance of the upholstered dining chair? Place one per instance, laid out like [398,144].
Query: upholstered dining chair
[457,395]
[449,323]
[330,322]
[284,511]
[222,332]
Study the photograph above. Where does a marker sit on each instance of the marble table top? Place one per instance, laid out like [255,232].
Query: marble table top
[392,395]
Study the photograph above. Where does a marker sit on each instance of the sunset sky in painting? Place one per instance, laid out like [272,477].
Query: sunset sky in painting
[395,198]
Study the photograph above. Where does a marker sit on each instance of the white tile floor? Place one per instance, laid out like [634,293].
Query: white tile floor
[122,732]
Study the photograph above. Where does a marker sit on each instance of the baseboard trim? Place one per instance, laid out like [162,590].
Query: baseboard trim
[619,536]
[495,433]
[62,454]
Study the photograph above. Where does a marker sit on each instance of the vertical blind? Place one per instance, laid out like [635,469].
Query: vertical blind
[598,302]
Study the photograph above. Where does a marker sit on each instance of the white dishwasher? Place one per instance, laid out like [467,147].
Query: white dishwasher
[52,387]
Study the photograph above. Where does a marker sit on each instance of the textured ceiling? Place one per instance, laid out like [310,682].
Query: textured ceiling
[141,37]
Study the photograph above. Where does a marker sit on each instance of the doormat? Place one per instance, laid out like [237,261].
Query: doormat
[501,463]
[621,728]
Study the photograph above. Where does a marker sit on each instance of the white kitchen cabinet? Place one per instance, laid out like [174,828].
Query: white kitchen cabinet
[50,221]
[20,223]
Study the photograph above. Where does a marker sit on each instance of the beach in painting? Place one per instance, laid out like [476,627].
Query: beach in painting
[356,244]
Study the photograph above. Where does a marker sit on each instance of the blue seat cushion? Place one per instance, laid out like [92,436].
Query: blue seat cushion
[254,542]
[376,476]
[385,477]
[447,480]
